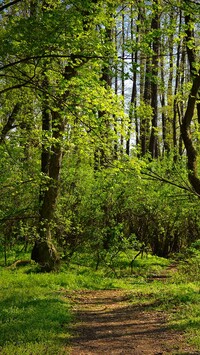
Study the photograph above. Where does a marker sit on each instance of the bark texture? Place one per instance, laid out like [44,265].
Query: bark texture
[189,113]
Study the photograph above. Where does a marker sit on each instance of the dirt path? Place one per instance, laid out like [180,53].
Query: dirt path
[107,324]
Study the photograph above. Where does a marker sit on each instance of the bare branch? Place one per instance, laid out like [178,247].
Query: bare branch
[3,7]
[9,124]
[155,176]
[43,56]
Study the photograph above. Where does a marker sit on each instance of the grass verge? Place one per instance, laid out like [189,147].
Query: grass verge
[178,296]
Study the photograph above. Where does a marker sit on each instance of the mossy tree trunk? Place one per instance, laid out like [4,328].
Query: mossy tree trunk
[44,252]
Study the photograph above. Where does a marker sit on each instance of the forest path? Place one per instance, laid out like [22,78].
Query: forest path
[106,323]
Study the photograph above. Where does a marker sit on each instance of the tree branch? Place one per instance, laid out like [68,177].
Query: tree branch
[43,56]
[3,7]
[156,176]
[9,124]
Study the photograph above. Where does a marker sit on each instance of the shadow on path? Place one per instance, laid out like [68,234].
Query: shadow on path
[107,324]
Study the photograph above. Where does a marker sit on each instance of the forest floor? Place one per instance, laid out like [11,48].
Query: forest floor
[107,323]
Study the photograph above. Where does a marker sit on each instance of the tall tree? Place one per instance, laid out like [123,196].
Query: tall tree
[192,154]
[155,25]
[133,101]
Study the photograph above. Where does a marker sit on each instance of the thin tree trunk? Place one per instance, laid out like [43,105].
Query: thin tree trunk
[181,104]
[177,83]
[164,116]
[155,25]
[100,154]
[145,92]
[169,118]
[144,123]
[133,103]
[115,148]
[122,79]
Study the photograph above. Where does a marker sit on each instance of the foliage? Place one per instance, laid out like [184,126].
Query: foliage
[65,123]
[114,210]
[85,108]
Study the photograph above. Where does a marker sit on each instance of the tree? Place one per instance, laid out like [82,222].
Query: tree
[55,67]
[155,25]
[71,98]
[192,153]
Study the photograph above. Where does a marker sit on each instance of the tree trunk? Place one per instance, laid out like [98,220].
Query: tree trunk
[145,90]
[166,147]
[187,137]
[44,252]
[122,80]
[132,111]
[100,155]
[155,25]
[177,83]
[187,119]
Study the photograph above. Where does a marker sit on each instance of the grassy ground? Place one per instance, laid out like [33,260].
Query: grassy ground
[36,317]
[178,295]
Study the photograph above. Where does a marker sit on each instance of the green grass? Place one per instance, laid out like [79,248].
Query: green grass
[119,265]
[178,296]
[36,316]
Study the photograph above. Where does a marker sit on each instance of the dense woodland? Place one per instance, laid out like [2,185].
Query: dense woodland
[99,127]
